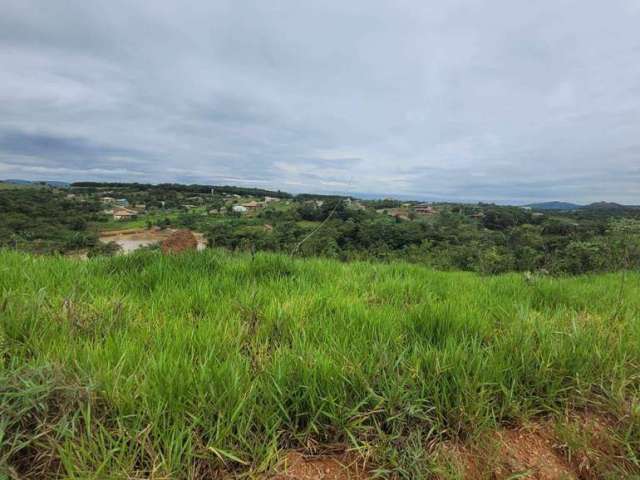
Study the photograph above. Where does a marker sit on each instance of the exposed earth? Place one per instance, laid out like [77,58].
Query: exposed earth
[536,451]
[130,240]
[179,241]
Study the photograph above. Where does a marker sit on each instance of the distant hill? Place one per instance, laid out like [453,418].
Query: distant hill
[14,181]
[592,207]
[554,206]
[604,206]
[50,183]
[57,184]
[610,208]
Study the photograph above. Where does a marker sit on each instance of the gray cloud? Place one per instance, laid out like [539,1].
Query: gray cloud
[65,151]
[508,101]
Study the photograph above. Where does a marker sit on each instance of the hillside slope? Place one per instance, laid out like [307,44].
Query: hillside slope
[566,206]
[210,365]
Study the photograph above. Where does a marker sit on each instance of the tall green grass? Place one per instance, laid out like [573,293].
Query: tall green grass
[188,366]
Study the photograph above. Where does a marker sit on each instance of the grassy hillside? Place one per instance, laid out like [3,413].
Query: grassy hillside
[207,364]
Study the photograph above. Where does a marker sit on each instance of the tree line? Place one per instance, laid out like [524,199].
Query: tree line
[481,237]
[502,239]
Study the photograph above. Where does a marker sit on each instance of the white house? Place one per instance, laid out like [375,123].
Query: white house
[239,209]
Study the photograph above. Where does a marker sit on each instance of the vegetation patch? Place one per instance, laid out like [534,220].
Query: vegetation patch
[215,365]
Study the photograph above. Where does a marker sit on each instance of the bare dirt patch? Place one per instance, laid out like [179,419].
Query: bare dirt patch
[297,466]
[581,445]
[530,452]
[180,241]
[131,239]
[593,445]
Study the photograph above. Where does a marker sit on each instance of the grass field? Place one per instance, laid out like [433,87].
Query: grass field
[213,364]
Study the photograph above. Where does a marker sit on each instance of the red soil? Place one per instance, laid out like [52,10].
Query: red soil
[179,241]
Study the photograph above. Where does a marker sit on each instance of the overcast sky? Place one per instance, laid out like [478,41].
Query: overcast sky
[507,101]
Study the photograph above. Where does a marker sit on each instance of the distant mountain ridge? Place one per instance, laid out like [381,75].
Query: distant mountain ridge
[607,206]
[568,206]
[51,183]
[15,181]
[554,206]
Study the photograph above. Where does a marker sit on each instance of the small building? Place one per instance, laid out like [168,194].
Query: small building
[424,209]
[108,200]
[124,214]
[252,206]
[478,215]
[123,202]
[271,199]
[239,209]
